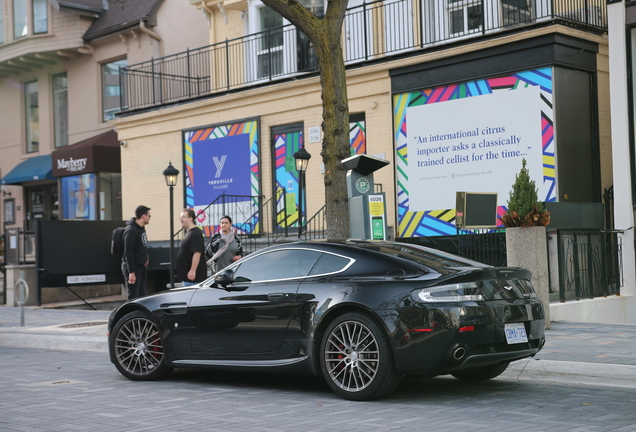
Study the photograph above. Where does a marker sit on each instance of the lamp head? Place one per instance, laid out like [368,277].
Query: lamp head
[171,174]
[302,157]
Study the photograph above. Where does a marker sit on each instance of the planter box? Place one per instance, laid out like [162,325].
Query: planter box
[528,248]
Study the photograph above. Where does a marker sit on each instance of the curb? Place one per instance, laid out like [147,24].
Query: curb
[566,372]
[563,372]
[96,339]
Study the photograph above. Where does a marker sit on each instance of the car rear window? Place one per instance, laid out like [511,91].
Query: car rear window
[424,256]
[329,263]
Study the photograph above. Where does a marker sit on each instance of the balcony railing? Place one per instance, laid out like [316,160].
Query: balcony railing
[371,31]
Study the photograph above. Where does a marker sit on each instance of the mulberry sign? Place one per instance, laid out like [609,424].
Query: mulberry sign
[72,165]
[100,153]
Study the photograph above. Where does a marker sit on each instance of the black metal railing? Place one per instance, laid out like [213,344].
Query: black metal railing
[590,264]
[371,31]
[486,246]
[258,221]
[316,226]
[245,211]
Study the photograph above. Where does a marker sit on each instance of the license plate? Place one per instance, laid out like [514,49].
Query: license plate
[515,333]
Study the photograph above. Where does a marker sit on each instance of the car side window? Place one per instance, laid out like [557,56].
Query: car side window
[278,264]
[329,263]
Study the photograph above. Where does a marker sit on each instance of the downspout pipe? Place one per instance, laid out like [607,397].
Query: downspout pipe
[142,26]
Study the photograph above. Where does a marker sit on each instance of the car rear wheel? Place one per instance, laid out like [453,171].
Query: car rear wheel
[482,373]
[356,358]
[138,349]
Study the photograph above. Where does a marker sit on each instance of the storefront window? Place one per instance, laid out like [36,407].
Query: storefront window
[78,197]
[110,196]
[92,196]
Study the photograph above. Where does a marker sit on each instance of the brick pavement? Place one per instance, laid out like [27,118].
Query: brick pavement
[64,390]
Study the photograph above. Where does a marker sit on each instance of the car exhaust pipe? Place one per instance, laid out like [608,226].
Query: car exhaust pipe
[459,353]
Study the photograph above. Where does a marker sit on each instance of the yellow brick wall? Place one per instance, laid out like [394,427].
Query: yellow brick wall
[155,138]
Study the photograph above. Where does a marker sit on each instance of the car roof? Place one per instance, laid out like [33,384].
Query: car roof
[383,251]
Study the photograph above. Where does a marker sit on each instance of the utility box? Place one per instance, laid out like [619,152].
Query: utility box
[367,209]
[475,210]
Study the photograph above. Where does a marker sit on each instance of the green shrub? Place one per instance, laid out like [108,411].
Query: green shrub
[524,208]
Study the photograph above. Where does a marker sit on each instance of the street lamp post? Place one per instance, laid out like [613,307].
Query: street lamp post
[171,174]
[302,157]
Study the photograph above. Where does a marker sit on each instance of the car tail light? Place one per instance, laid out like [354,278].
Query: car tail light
[465,291]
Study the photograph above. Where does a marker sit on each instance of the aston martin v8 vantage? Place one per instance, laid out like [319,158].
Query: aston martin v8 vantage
[361,313]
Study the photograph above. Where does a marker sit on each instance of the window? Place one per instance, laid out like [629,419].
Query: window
[1,21]
[40,17]
[465,16]
[20,19]
[60,109]
[328,264]
[516,11]
[277,265]
[270,57]
[111,90]
[306,60]
[32,116]
[78,197]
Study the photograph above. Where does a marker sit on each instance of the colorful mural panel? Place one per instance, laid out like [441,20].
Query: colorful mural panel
[222,164]
[470,137]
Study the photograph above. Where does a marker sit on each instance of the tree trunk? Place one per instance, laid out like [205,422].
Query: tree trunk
[325,33]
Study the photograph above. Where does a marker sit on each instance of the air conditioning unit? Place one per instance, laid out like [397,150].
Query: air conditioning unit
[590,15]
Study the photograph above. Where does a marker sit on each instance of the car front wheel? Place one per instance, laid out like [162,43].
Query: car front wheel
[138,349]
[356,358]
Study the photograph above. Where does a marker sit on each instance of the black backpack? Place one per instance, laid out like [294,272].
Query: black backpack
[117,242]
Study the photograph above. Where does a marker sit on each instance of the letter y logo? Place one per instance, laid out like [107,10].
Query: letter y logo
[219,165]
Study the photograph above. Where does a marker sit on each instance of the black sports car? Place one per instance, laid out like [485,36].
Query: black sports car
[361,313]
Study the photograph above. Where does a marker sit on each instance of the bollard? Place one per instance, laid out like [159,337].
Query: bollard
[22,293]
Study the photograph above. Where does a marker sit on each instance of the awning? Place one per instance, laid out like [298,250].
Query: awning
[100,153]
[35,168]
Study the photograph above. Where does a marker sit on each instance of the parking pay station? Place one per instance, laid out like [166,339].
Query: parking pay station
[367,210]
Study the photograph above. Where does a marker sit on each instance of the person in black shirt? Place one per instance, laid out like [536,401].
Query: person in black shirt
[191,268]
[134,264]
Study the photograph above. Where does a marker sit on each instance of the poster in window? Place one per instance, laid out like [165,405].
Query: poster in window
[37,201]
[78,196]
[9,211]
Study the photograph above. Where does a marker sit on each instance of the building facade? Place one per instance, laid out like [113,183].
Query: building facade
[59,66]
[455,98]
[59,90]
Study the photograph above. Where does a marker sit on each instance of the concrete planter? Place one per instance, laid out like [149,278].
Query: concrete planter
[527,248]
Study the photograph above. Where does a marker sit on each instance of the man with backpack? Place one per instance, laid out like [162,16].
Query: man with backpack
[134,263]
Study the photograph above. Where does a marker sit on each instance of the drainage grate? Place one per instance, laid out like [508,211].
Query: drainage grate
[84,324]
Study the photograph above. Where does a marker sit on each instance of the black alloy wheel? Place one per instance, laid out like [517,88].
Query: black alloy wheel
[138,348]
[356,358]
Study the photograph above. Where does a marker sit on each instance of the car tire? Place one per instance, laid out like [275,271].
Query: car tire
[137,348]
[481,374]
[356,358]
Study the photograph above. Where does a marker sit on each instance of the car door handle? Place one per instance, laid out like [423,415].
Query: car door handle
[277,296]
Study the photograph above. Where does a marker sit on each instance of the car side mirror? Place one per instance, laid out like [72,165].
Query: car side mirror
[224,278]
